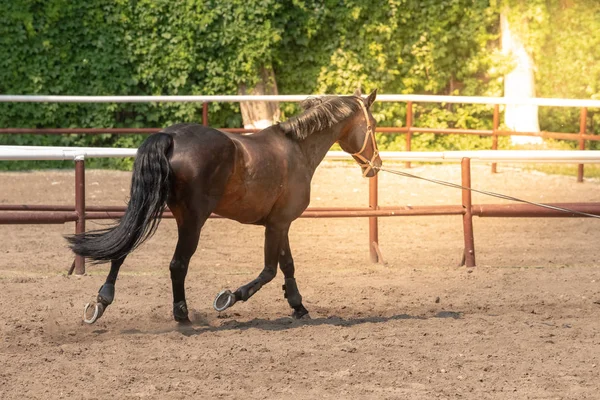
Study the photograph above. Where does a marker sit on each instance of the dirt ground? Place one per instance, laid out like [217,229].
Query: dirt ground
[523,324]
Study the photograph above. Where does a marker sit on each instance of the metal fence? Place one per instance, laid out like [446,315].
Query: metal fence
[79,213]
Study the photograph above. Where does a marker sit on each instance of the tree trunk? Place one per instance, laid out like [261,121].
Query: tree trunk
[260,114]
[519,84]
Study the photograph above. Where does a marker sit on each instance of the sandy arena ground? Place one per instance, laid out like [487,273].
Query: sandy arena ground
[524,324]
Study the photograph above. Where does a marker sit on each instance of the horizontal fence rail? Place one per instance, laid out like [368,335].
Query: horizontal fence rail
[513,156]
[539,101]
[384,130]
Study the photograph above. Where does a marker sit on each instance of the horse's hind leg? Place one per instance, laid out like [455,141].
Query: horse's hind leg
[189,225]
[106,294]
[290,288]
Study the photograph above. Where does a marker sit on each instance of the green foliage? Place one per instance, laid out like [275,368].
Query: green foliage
[397,46]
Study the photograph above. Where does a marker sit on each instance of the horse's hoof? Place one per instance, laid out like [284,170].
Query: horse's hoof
[224,300]
[301,314]
[98,310]
[297,316]
[180,311]
[183,321]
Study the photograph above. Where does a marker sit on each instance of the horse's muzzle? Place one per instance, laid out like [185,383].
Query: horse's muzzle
[370,170]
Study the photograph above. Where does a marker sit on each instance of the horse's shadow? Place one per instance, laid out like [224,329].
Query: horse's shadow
[286,323]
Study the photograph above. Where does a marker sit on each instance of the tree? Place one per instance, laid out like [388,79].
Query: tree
[260,115]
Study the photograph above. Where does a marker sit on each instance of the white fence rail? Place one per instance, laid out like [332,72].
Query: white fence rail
[513,156]
[299,97]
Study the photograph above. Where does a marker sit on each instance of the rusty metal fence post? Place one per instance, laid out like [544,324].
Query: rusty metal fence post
[469,253]
[582,124]
[80,208]
[373,221]
[205,113]
[495,134]
[409,122]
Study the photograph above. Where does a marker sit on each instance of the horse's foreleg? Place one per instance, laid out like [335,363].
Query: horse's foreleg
[106,294]
[273,241]
[290,288]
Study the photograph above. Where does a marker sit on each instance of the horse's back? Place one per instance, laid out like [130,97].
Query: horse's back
[202,160]
[198,142]
[189,131]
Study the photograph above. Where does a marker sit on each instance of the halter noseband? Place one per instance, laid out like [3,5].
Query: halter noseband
[364,162]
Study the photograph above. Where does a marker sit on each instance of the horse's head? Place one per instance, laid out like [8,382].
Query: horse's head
[359,139]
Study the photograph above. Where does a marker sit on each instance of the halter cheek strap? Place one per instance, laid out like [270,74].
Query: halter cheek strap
[364,162]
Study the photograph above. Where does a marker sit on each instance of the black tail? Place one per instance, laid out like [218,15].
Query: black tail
[150,186]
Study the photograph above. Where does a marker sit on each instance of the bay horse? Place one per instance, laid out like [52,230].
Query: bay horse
[262,179]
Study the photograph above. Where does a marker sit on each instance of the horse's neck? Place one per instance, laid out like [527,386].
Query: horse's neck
[316,146]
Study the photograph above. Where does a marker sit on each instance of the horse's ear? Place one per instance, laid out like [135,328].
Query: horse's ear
[369,100]
[357,92]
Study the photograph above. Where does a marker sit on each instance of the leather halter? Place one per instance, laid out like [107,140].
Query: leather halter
[364,162]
